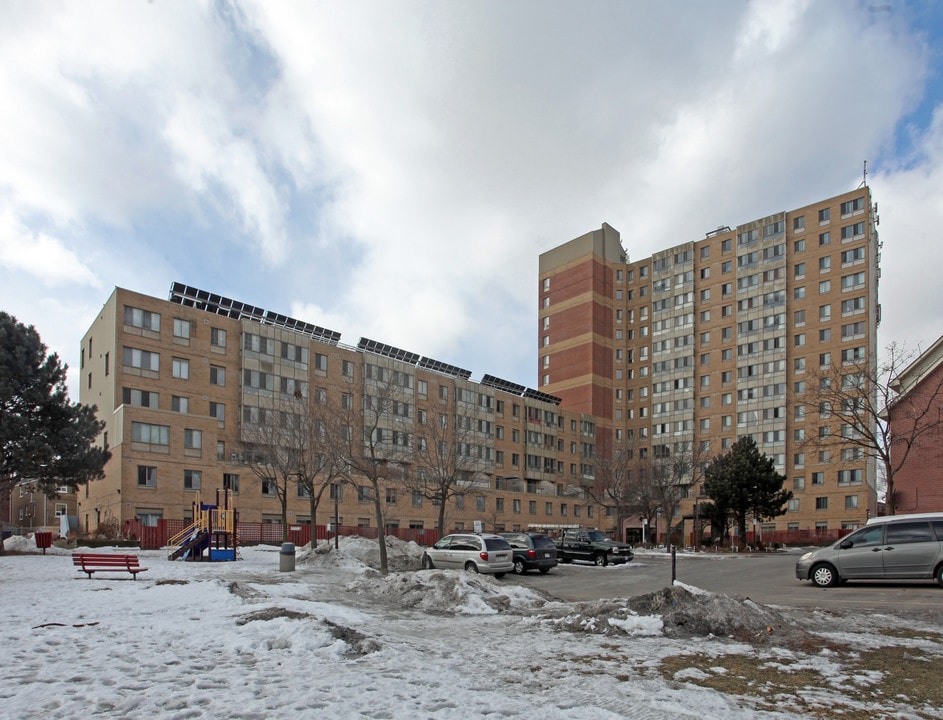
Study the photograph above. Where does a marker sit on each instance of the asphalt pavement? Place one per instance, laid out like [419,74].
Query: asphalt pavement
[767,578]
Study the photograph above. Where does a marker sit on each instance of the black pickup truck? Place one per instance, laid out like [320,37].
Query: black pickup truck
[591,546]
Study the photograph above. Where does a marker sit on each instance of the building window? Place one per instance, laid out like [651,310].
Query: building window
[181,329]
[320,362]
[192,479]
[824,215]
[141,398]
[259,344]
[821,503]
[150,434]
[140,359]
[180,404]
[181,369]
[147,476]
[269,487]
[218,411]
[192,439]
[849,477]
[217,337]
[217,375]
[135,317]
[851,502]
[231,482]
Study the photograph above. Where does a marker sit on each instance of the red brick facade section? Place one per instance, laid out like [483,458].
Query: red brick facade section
[918,484]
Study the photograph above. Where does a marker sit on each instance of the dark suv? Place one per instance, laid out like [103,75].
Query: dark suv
[532,551]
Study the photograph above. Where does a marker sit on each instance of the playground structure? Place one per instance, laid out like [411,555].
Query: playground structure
[212,535]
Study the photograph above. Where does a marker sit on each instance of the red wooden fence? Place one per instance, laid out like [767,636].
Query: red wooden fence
[254,533]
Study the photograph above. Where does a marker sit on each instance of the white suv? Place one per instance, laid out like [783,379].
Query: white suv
[479,553]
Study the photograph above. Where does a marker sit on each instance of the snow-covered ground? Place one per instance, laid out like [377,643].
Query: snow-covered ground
[336,639]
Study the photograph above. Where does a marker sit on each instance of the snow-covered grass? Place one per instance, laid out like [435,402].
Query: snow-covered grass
[338,639]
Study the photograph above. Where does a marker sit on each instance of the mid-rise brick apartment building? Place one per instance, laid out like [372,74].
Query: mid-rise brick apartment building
[181,382]
[691,347]
[716,338]
[918,485]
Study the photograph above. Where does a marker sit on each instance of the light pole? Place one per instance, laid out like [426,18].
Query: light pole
[336,489]
[697,523]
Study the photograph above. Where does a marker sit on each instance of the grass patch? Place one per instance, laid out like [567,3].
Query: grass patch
[858,685]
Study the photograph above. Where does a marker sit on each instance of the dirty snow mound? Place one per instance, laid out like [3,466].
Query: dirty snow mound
[355,552]
[605,617]
[679,612]
[691,612]
[447,592]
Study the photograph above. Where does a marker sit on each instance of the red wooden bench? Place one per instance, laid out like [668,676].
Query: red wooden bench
[94,562]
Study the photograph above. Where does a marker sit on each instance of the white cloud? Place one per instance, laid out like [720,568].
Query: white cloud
[435,149]
[44,257]
[910,206]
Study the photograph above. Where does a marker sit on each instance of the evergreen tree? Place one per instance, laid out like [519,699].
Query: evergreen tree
[44,437]
[744,481]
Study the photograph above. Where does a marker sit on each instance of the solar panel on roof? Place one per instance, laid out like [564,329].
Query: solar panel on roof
[503,385]
[220,305]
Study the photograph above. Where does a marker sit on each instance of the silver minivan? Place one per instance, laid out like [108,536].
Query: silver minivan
[894,547]
[480,553]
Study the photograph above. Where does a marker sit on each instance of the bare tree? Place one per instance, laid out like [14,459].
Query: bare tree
[274,438]
[674,473]
[446,459]
[320,465]
[855,396]
[375,442]
[634,483]
[623,481]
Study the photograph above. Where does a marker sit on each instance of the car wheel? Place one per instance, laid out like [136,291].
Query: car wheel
[939,574]
[544,571]
[601,560]
[427,563]
[499,575]
[519,567]
[471,567]
[824,575]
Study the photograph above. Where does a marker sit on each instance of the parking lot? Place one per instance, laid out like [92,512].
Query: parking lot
[768,578]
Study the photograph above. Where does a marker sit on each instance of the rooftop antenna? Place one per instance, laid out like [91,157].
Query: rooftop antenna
[864,182]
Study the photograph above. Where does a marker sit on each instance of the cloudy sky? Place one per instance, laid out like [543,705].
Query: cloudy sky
[394,169]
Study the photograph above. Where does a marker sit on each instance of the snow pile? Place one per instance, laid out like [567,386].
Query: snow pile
[444,592]
[604,617]
[692,612]
[680,611]
[27,544]
[356,553]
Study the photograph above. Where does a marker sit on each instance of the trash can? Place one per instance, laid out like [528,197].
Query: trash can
[286,558]
[43,540]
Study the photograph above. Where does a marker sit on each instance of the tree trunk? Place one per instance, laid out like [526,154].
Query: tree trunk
[381,530]
[440,525]
[313,504]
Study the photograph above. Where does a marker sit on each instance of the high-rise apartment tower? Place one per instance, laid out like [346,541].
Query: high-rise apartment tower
[717,338]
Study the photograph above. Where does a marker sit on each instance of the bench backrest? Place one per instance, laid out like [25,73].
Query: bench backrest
[105,560]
